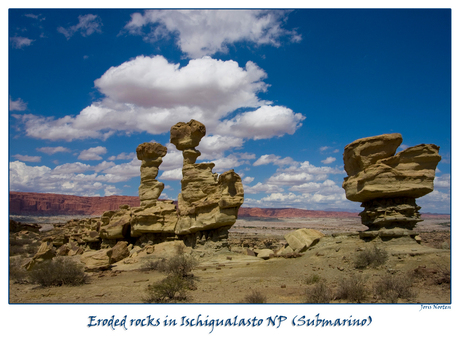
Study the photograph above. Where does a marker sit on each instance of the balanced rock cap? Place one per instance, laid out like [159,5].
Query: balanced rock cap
[150,151]
[187,135]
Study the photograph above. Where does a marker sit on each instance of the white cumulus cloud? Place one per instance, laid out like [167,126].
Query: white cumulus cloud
[52,150]
[93,153]
[206,32]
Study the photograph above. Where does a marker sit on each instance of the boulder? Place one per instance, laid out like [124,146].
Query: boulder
[301,239]
[265,253]
[118,252]
[96,260]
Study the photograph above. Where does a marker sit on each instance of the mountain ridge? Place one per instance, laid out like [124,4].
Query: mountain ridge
[44,204]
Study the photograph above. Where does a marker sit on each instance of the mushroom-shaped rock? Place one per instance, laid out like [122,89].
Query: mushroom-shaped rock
[387,183]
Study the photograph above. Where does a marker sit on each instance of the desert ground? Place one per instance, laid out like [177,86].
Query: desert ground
[227,275]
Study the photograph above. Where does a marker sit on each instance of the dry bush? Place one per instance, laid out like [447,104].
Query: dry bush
[154,265]
[372,257]
[390,288]
[319,293]
[313,278]
[17,272]
[255,297]
[180,278]
[170,289]
[352,289]
[180,265]
[57,272]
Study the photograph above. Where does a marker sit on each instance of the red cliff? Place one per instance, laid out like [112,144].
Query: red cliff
[28,203]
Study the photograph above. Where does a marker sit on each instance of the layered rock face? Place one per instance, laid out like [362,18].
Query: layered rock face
[207,205]
[207,201]
[387,183]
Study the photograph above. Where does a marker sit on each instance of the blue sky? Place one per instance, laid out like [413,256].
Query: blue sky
[280,92]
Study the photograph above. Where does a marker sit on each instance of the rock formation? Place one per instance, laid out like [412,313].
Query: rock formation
[207,207]
[207,201]
[387,183]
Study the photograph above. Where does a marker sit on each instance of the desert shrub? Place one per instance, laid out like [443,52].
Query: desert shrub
[255,296]
[372,257]
[57,272]
[154,265]
[352,289]
[392,287]
[180,265]
[170,289]
[180,278]
[319,293]
[313,278]
[17,272]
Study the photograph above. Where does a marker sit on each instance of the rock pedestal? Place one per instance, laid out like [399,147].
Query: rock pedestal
[207,201]
[387,183]
[151,156]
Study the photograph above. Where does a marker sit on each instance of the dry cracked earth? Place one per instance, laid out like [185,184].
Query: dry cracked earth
[225,276]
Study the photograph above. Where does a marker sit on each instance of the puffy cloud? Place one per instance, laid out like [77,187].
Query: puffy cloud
[93,153]
[148,94]
[215,86]
[265,122]
[277,160]
[247,179]
[26,158]
[17,105]
[226,163]
[171,175]
[122,172]
[87,25]
[442,182]
[328,160]
[123,155]
[206,32]
[259,187]
[20,42]
[436,201]
[70,168]
[173,159]
[52,150]
[215,146]
[61,180]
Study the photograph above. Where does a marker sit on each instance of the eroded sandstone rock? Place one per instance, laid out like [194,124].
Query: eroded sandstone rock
[207,200]
[301,239]
[387,183]
[207,207]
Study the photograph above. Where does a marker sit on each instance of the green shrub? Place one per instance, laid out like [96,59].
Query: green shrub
[57,272]
[372,257]
[352,289]
[255,297]
[319,293]
[170,289]
[392,287]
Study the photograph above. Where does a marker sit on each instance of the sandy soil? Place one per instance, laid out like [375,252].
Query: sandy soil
[223,276]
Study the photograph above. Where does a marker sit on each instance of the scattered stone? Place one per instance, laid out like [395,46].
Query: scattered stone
[302,239]
[265,254]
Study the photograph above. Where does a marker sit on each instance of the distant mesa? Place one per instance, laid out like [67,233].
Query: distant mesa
[387,183]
